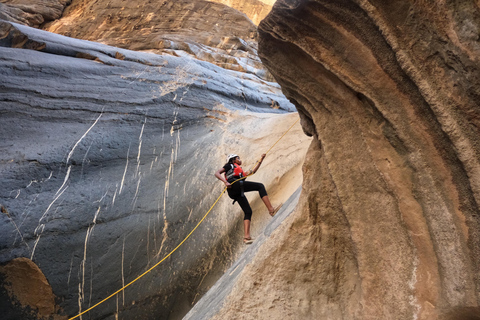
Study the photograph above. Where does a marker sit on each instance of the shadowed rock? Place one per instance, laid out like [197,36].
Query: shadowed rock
[107,161]
[387,226]
[25,287]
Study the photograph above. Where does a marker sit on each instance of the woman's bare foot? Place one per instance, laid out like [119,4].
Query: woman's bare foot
[274,211]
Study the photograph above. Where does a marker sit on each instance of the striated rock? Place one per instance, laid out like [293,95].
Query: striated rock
[107,159]
[388,222]
[205,30]
[32,13]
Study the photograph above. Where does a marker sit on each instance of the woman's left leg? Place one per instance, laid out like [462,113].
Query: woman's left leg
[249,186]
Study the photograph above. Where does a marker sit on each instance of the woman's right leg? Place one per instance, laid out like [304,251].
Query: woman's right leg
[243,202]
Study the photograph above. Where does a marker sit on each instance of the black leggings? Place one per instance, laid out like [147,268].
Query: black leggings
[235,192]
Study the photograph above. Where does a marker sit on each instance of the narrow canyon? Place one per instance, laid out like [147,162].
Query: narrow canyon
[114,116]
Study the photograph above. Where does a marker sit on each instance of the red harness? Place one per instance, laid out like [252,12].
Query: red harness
[235,173]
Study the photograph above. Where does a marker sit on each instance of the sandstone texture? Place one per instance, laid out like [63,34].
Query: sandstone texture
[31,12]
[255,10]
[388,225]
[106,164]
[208,31]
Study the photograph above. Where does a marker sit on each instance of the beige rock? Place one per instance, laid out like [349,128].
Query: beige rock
[256,10]
[209,31]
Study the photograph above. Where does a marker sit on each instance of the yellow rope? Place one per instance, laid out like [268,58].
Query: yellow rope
[282,136]
[273,145]
[168,255]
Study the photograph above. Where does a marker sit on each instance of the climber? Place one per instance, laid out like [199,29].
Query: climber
[232,171]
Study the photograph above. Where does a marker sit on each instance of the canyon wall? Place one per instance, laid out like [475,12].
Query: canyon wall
[101,148]
[205,30]
[388,223]
[106,165]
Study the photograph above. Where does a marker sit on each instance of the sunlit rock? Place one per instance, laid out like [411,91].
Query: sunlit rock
[255,10]
[206,30]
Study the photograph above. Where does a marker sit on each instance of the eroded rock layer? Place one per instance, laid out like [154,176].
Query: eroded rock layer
[208,31]
[106,164]
[31,13]
[388,224]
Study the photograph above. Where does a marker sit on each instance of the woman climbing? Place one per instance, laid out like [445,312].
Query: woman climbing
[232,171]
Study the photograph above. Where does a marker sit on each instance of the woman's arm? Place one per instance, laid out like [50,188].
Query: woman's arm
[254,170]
[221,177]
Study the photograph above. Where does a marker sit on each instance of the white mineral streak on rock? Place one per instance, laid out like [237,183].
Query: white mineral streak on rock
[135,196]
[140,147]
[81,138]
[412,285]
[19,233]
[124,171]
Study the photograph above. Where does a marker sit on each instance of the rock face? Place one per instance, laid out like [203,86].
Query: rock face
[388,222]
[106,164]
[205,30]
[31,13]
[255,10]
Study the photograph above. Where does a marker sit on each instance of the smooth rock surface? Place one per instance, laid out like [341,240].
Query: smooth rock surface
[107,159]
[388,223]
